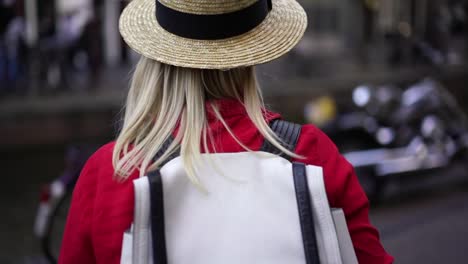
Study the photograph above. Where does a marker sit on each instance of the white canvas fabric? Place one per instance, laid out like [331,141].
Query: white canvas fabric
[248,213]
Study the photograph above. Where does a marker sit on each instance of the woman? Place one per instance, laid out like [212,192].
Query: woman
[195,82]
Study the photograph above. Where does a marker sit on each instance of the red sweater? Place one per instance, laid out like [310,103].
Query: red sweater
[102,208]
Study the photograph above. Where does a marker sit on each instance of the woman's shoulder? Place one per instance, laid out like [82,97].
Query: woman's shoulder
[315,145]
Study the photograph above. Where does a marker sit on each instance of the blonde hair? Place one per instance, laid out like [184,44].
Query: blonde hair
[162,97]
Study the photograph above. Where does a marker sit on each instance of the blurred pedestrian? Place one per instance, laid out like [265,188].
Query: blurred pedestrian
[195,83]
[64,47]
[12,32]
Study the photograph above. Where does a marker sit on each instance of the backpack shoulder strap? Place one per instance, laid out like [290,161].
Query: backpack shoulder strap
[163,150]
[287,132]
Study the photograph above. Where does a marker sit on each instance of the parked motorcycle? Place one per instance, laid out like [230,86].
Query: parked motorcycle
[400,131]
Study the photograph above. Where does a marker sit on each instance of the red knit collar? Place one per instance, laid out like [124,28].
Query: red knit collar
[226,107]
[229,108]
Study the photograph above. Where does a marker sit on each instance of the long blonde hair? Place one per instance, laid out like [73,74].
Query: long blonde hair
[162,97]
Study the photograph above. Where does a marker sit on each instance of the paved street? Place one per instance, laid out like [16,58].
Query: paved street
[419,223]
[431,231]
[428,222]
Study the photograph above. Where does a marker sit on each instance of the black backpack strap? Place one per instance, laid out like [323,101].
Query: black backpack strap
[158,234]
[163,149]
[304,206]
[288,133]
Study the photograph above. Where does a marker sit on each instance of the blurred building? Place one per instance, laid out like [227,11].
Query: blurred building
[65,38]
[358,29]
[387,32]
[71,18]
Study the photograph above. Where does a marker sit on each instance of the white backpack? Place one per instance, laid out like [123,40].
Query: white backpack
[259,208]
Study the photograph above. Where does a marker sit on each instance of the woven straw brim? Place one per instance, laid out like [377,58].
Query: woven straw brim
[276,35]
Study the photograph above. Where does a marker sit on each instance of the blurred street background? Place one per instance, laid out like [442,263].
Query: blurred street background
[385,79]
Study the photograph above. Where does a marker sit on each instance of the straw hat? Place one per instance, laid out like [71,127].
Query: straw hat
[213,34]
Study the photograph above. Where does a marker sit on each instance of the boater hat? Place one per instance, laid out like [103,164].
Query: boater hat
[213,34]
